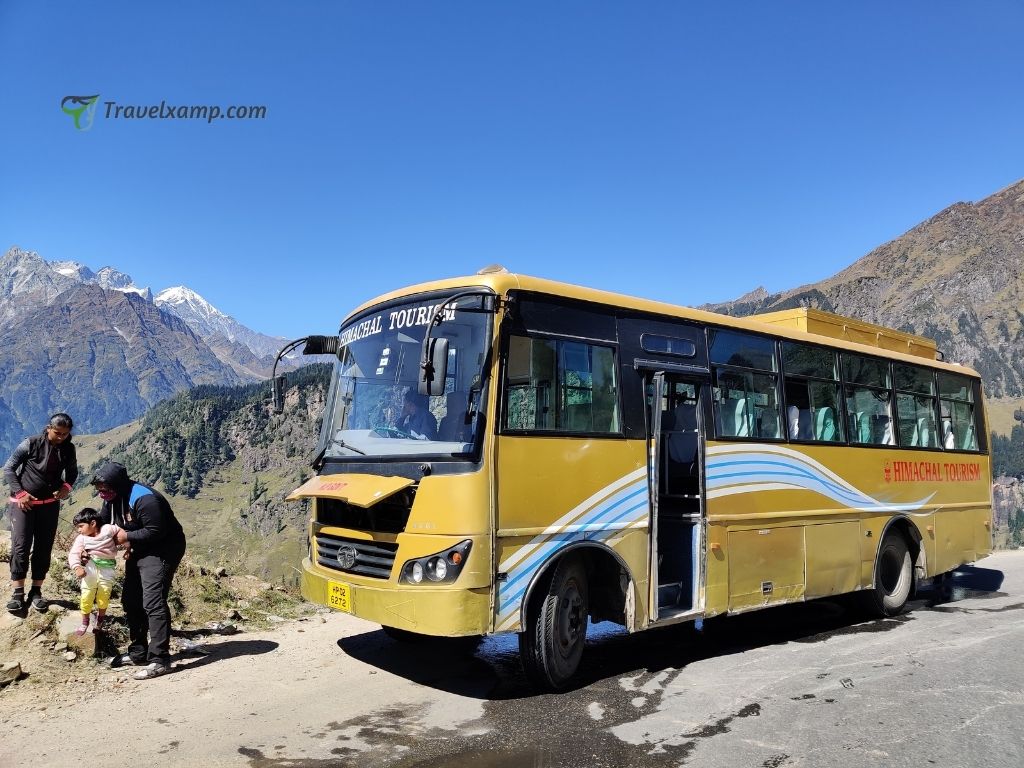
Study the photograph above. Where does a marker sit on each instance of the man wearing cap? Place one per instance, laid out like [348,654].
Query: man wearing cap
[157,544]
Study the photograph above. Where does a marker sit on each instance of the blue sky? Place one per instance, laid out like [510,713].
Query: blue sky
[687,152]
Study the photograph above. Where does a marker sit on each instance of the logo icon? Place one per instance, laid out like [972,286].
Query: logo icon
[346,557]
[81,108]
[888,472]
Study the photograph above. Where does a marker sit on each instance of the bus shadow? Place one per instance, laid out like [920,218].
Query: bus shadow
[494,671]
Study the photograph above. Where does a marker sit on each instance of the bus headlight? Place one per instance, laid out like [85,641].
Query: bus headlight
[441,568]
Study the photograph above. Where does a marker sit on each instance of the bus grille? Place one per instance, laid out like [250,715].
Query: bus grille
[372,558]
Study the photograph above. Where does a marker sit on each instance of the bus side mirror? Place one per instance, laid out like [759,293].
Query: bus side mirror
[277,387]
[321,345]
[434,366]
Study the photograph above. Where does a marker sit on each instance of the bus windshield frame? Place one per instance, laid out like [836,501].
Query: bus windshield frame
[375,411]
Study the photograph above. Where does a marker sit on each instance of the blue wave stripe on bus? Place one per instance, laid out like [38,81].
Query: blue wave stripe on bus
[515,587]
[846,492]
[519,578]
[592,516]
[800,472]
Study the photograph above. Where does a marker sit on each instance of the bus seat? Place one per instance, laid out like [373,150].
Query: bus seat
[860,428]
[453,426]
[742,418]
[682,435]
[725,417]
[805,432]
[768,423]
[887,437]
[968,442]
[923,431]
[948,440]
[825,424]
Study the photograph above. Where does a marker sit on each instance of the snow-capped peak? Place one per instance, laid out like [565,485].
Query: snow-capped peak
[185,299]
[107,277]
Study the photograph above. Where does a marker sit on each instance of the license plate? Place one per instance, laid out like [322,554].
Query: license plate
[339,596]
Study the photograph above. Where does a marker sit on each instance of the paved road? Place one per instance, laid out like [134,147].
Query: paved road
[804,685]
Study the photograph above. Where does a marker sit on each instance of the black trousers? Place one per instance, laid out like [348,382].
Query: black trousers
[147,582]
[32,532]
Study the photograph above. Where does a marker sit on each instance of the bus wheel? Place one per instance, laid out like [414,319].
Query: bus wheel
[551,644]
[894,576]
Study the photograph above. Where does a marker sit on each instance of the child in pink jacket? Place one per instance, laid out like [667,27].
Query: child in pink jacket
[96,547]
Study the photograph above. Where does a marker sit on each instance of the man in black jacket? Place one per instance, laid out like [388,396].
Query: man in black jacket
[40,473]
[157,544]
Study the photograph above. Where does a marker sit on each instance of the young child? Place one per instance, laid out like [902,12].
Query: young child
[99,544]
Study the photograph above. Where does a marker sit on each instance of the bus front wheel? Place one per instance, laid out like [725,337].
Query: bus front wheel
[551,644]
[894,576]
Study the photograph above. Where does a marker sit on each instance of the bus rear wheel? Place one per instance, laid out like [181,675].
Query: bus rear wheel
[894,577]
[551,644]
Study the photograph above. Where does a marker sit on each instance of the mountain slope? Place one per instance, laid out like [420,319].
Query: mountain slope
[226,463]
[208,321]
[957,278]
[103,356]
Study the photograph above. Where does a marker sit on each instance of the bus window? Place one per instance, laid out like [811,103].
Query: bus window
[745,385]
[868,400]
[915,406]
[956,406]
[560,386]
[812,390]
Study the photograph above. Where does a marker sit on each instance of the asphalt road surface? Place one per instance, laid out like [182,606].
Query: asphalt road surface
[814,684]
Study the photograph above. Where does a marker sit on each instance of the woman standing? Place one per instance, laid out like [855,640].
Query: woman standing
[40,473]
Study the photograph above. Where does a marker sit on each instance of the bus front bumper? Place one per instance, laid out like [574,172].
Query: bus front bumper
[429,611]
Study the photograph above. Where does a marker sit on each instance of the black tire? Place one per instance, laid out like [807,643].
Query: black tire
[894,578]
[455,645]
[551,644]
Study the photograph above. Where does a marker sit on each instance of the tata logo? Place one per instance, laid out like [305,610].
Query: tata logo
[346,557]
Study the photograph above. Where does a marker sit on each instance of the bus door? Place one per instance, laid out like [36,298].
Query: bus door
[676,457]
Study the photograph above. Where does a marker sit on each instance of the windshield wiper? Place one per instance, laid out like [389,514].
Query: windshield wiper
[337,441]
[318,460]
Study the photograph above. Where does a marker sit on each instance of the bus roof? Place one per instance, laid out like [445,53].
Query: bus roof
[799,324]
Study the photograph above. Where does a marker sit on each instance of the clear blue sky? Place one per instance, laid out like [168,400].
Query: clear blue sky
[681,151]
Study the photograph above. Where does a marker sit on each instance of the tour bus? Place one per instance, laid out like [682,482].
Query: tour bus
[503,453]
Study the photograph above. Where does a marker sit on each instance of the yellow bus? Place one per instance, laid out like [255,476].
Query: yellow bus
[503,453]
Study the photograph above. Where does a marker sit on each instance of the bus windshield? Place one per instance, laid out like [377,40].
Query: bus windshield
[375,406]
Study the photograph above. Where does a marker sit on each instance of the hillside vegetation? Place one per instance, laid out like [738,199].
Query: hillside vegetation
[226,463]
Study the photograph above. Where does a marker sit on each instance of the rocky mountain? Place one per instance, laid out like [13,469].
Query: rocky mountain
[26,281]
[98,346]
[208,321]
[957,278]
[107,277]
[103,356]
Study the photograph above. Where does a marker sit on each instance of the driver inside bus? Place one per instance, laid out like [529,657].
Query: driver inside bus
[416,418]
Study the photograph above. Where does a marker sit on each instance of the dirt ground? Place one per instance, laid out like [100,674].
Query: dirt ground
[206,605]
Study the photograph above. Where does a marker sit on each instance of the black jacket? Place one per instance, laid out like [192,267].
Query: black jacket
[144,513]
[28,468]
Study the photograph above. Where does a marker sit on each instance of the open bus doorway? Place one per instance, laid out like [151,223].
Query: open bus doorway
[676,439]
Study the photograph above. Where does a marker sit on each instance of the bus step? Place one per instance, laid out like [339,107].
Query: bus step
[668,594]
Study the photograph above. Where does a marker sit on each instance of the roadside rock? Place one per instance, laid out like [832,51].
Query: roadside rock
[9,672]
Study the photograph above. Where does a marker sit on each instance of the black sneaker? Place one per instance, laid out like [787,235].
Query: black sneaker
[17,603]
[126,660]
[39,602]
